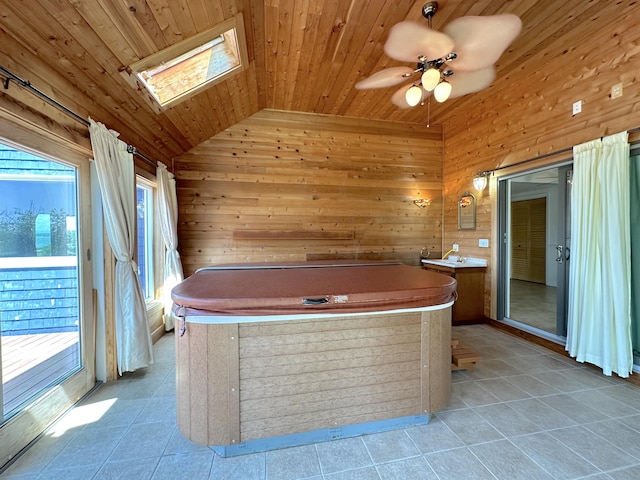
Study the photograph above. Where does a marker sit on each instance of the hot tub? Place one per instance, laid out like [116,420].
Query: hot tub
[271,355]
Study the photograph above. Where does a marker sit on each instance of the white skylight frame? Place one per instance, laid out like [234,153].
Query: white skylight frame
[230,33]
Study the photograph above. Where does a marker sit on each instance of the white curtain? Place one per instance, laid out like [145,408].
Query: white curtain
[599,324]
[168,210]
[114,166]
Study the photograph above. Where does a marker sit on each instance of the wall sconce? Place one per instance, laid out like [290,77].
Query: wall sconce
[422,202]
[480,181]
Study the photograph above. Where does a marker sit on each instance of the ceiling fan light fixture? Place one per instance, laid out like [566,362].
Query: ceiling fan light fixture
[442,91]
[468,46]
[413,95]
[430,79]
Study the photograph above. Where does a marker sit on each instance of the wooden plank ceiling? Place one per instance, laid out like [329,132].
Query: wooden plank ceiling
[305,56]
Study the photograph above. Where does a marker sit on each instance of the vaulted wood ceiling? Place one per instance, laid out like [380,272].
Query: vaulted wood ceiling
[305,56]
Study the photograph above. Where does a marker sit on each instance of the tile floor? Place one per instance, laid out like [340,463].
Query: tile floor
[522,413]
[533,304]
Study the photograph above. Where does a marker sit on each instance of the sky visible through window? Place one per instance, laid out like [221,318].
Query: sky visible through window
[37,206]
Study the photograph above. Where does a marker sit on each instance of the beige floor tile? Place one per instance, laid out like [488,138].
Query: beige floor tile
[522,412]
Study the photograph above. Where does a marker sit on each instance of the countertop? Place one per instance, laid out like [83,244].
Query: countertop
[457,262]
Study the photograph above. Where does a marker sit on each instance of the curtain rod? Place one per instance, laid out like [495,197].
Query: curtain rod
[10,76]
[544,155]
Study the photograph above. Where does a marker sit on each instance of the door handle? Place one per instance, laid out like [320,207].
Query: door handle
[559,257]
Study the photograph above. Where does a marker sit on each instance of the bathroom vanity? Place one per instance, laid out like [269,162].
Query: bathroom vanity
[469,275]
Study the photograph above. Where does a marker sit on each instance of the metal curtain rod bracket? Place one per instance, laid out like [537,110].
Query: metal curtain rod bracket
[10,76]
[134,151]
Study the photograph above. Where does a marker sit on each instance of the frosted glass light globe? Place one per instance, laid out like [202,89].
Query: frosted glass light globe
[430,79]
[442,91]
[413,96]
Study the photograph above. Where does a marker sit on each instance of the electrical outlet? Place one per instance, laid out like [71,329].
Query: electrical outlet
[616,90]
[577,107]
[483,242]
[455,247]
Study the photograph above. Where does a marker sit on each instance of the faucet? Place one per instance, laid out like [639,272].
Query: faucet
[450,251]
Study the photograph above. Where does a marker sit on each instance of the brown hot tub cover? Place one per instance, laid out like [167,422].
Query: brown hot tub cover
[320,287]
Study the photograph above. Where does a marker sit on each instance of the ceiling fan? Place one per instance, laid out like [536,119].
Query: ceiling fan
[451,63]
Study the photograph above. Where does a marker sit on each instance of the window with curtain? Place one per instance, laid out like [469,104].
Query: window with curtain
[150,251]
[115,173]
[599,320]
[145,237]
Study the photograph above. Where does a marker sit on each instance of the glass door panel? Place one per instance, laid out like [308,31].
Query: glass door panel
[46,328]
[534,212]
[39,314]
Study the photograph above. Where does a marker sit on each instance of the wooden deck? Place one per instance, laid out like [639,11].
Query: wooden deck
[32,362]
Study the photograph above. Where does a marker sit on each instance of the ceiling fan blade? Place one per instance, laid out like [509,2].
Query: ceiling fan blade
[469,82]
[385,78]
[399,98]
[408,40]
[479,41]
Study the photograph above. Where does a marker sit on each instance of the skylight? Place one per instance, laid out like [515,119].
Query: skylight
[186,68]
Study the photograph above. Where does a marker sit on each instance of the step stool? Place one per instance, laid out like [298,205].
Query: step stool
[462,358]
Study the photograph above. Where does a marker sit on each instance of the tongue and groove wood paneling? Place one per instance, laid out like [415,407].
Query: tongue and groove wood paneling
[300,376]
[247,381]
[281,186]
[582,50]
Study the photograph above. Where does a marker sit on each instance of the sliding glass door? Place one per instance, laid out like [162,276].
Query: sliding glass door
[534,254]
[44,292]
[634,175]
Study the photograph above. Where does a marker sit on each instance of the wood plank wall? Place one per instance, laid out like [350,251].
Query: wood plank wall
[284,186]
[309,374]
[529,113]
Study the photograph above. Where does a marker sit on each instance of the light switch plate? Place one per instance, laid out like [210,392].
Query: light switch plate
[577,107]
[616,90]
[483,242]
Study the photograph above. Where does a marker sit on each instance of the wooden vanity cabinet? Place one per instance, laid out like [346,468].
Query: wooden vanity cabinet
[469,308]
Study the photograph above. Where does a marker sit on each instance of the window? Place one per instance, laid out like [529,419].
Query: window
[150,252]
[144,203]
[182,70]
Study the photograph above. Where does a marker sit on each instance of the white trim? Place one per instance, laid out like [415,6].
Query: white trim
[227,319]
[24,263]
[28,177]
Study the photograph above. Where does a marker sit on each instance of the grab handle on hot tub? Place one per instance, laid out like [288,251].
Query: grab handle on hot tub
[315,301]
[180,314]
